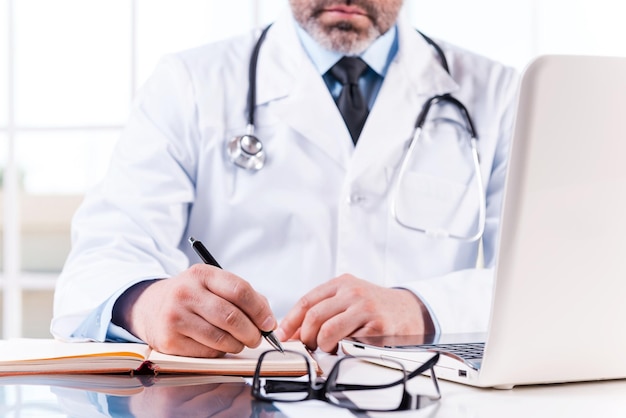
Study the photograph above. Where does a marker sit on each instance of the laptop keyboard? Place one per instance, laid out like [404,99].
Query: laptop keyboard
[467,351]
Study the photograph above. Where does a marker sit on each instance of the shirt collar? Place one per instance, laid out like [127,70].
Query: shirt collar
[378,55]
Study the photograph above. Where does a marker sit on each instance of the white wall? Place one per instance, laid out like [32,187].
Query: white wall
[515,31]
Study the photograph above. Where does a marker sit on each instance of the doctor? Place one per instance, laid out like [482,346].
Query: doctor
[310,237]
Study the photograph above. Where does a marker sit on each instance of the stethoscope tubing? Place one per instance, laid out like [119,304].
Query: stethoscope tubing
[252,82]
[419,124]
[441,232]
[242,157]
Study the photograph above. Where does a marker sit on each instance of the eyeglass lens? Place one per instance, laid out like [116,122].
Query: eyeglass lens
[353,383]
[361,384]
[272,386]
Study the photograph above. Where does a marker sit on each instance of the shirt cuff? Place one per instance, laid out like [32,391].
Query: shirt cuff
[97,326]
[437,328]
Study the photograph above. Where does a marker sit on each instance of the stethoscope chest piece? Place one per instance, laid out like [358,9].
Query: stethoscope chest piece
[246,151]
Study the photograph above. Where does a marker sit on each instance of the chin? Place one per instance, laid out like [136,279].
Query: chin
[345,37]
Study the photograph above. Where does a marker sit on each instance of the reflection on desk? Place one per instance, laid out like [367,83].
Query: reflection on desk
[130,396]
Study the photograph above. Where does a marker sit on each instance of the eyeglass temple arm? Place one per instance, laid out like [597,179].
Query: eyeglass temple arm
[282,386]
[410,401]
[416,401]
[428,364]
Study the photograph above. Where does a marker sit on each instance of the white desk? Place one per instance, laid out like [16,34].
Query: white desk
[598,399]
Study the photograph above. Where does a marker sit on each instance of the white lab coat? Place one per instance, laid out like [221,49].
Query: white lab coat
[320,207]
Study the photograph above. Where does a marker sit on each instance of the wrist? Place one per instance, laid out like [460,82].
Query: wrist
[427,322]
[122,314]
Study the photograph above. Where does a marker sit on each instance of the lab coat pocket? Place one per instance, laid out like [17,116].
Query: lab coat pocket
[437,205]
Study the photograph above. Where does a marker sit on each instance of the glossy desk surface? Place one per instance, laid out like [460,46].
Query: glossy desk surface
[207,396]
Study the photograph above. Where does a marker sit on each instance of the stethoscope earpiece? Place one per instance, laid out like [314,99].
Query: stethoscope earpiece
[246,151]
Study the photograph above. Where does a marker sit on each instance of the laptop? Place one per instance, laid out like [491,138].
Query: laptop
[559,297]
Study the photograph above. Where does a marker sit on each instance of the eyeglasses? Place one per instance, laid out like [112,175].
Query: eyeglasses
[355,383]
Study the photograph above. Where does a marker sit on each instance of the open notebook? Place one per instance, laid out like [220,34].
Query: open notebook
[48,356]
[560,281]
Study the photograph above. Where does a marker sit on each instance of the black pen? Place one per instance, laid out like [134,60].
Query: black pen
[206,256]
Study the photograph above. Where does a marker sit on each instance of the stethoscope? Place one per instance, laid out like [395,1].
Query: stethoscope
[246,151]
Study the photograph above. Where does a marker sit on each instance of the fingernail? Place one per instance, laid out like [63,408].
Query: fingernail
[268,324]
[280,334]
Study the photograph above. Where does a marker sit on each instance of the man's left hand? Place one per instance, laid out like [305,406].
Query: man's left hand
[347,306]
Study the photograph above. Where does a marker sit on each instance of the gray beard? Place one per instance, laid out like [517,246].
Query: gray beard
[341,39]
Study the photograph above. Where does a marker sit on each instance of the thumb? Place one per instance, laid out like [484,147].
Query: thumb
[289,327]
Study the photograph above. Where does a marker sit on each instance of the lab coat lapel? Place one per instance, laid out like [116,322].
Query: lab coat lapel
[298,93]
[413,77]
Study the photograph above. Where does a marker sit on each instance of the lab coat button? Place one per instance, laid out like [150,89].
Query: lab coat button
[356,199]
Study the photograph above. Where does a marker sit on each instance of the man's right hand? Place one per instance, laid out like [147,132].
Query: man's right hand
[202,312]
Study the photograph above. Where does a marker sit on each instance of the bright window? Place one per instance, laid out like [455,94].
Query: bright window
[4,59]
[41,174]
[72,60]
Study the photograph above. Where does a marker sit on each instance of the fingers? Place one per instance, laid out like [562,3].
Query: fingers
[232,305]
[244,298]
[294,319]
[328,322]
[203,312]
[326,314]
[196,337]
[347,305]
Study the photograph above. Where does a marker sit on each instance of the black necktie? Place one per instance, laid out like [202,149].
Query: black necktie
[351,102]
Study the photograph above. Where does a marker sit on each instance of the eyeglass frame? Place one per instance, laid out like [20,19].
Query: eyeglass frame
[318,389]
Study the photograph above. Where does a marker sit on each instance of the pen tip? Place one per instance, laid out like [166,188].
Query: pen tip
[274,342]
[192,240]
